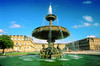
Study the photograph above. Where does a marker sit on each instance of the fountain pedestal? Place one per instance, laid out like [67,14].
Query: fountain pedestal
[50,52]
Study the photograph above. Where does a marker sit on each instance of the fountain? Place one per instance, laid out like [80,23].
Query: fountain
[50,33]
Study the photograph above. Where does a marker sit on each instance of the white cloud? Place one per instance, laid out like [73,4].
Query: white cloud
[91,36]
[96,24]
[86,24]
[75,26]
[1,31]
[89,22]
[39,41]
[45,41]
[87,2]
[88,18]
[15,26]
[61,41]
[82,25]
[12,22]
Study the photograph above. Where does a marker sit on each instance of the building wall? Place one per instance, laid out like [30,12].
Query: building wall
[85,44]
[94,43]
[21,44]
[25,44]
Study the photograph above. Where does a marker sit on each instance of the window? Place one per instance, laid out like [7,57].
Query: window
[15,48]
[16,43]
[20,43]
[25,43]
[13,38]
[28,38]
[20,38]
[28,43]
[25,38]
[19,48]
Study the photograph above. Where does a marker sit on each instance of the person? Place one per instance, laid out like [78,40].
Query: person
[4,54]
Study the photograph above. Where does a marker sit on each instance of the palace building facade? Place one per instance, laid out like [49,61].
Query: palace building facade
[85,44]
[23,43]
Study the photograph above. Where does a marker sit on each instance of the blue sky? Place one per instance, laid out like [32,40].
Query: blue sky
[21,17]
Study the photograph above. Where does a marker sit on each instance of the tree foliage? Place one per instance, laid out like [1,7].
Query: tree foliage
[5,42]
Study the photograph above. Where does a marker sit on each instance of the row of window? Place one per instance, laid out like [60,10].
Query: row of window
[21,43]
[96,40]
[25,48]
[17,38]
[20,39]
[95,43]
[96,46]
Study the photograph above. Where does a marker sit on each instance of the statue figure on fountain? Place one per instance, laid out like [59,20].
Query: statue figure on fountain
[43,51]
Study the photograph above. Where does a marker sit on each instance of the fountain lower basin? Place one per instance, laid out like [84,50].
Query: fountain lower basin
[66,60]
[42,32]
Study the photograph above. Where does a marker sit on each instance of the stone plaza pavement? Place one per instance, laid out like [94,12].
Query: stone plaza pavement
[83,52]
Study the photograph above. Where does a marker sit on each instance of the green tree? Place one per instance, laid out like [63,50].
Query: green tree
[5,42]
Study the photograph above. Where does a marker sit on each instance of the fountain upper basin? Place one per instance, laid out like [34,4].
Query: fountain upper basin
[56,32]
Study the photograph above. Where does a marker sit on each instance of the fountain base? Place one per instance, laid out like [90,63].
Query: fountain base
[51,52]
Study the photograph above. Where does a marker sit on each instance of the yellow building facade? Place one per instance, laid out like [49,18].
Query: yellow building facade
[94,43]
[85,44]
[21,44]
[26,44]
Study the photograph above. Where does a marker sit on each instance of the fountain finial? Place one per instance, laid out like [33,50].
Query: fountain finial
[50,17]
[50,10]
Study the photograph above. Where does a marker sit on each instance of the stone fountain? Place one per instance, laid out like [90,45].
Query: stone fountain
[50,33]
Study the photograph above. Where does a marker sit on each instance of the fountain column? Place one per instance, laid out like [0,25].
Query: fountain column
[51,43]
[50,23]
[50,17]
